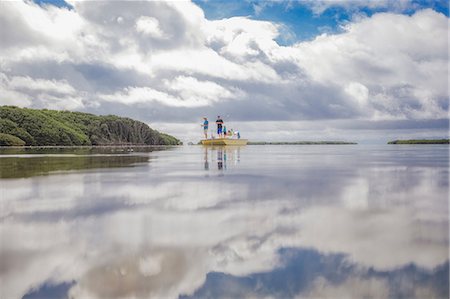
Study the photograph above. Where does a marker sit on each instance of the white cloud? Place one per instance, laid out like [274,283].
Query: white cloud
[134,95]
[10,97]
[167,54]
[393,56]
[358,91]
[182,91]
[206,92]
[149,26]
[205,61]
[25,91]
[40,85]
[242,36]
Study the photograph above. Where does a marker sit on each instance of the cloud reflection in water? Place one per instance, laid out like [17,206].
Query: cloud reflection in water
[272,221]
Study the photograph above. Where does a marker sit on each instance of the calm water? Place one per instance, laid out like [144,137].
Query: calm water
[258,221]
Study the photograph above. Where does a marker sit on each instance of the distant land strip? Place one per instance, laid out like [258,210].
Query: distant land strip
[299,142]
[42,127]
[421,141]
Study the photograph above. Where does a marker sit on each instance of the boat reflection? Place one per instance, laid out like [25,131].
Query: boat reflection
[225,156]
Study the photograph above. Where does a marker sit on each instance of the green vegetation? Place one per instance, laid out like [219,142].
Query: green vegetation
[421,141]
[10,140]
[300,143]
[65,128]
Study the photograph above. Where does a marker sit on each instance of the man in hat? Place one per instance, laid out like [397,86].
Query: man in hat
[205,127]
[219,123]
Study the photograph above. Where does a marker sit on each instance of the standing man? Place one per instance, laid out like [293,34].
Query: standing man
[219,123]
[205,127]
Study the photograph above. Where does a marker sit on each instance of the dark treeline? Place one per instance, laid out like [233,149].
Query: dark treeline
[421,141]
[24,126]
[300,143]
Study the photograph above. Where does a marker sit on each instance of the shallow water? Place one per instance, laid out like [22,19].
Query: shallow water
[346,221]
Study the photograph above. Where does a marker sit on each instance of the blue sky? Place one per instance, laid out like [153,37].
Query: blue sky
[299,17]
[58,3]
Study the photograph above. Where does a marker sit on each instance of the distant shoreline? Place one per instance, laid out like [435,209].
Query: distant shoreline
[421,141]
[86,146]
[301,143]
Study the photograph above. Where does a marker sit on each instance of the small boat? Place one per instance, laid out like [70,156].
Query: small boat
[224,141]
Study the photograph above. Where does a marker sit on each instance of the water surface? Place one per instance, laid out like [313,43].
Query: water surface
[312,221]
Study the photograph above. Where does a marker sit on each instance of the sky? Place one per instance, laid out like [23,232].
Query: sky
[366,71]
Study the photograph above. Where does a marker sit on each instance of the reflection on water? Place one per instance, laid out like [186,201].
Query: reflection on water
[211,222]
[27,162]
[221,154]
[15,167]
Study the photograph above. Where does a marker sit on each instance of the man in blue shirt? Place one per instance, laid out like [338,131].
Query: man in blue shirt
[219,123]
[205,127]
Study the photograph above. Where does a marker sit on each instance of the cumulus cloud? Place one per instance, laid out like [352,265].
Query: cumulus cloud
[189,92]
[190,88]
[23,91]
[27,83]
[167,58]
[390,57]
[149,26]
